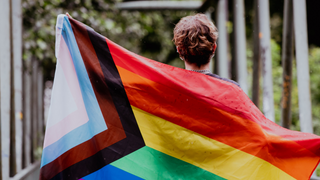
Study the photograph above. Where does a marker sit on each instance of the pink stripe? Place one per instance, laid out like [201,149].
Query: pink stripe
[76,118]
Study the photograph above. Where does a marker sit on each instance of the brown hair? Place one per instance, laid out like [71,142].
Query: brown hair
[195,36]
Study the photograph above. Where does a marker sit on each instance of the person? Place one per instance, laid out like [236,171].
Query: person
[195,39]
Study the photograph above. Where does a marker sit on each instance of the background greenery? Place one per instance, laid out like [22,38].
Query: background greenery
[146,33]
[149,33]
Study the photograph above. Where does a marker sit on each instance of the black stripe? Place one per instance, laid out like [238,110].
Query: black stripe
[118,94]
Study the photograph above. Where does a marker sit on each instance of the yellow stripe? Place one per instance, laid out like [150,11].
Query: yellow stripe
[201,151]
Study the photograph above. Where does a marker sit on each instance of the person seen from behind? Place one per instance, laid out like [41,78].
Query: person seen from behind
[195,39]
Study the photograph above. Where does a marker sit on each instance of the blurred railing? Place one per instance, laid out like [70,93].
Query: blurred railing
[21,97]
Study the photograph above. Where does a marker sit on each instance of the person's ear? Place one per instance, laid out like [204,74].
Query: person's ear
[214,48]
[178,51]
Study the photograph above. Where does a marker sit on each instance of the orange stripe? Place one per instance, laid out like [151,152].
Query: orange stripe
[217,124]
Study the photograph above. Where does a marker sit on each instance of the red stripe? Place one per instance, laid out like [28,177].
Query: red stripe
[218,93]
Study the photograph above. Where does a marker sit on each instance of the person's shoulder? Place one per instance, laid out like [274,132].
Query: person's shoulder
[225,79]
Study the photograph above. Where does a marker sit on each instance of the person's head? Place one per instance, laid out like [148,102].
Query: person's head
[195,38]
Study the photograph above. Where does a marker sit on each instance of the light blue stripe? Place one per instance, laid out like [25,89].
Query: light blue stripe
[96,123]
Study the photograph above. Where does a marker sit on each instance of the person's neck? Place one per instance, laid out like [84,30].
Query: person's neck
[189,66]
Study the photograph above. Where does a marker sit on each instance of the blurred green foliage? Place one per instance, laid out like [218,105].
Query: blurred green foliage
[148,33]
[314,64]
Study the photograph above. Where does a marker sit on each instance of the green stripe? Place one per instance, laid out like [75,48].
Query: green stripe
[149,163]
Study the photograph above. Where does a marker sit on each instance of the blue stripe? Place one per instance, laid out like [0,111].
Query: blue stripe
[96,123]
[111,173]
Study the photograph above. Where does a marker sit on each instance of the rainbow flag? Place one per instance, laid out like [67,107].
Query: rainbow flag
[117,115]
